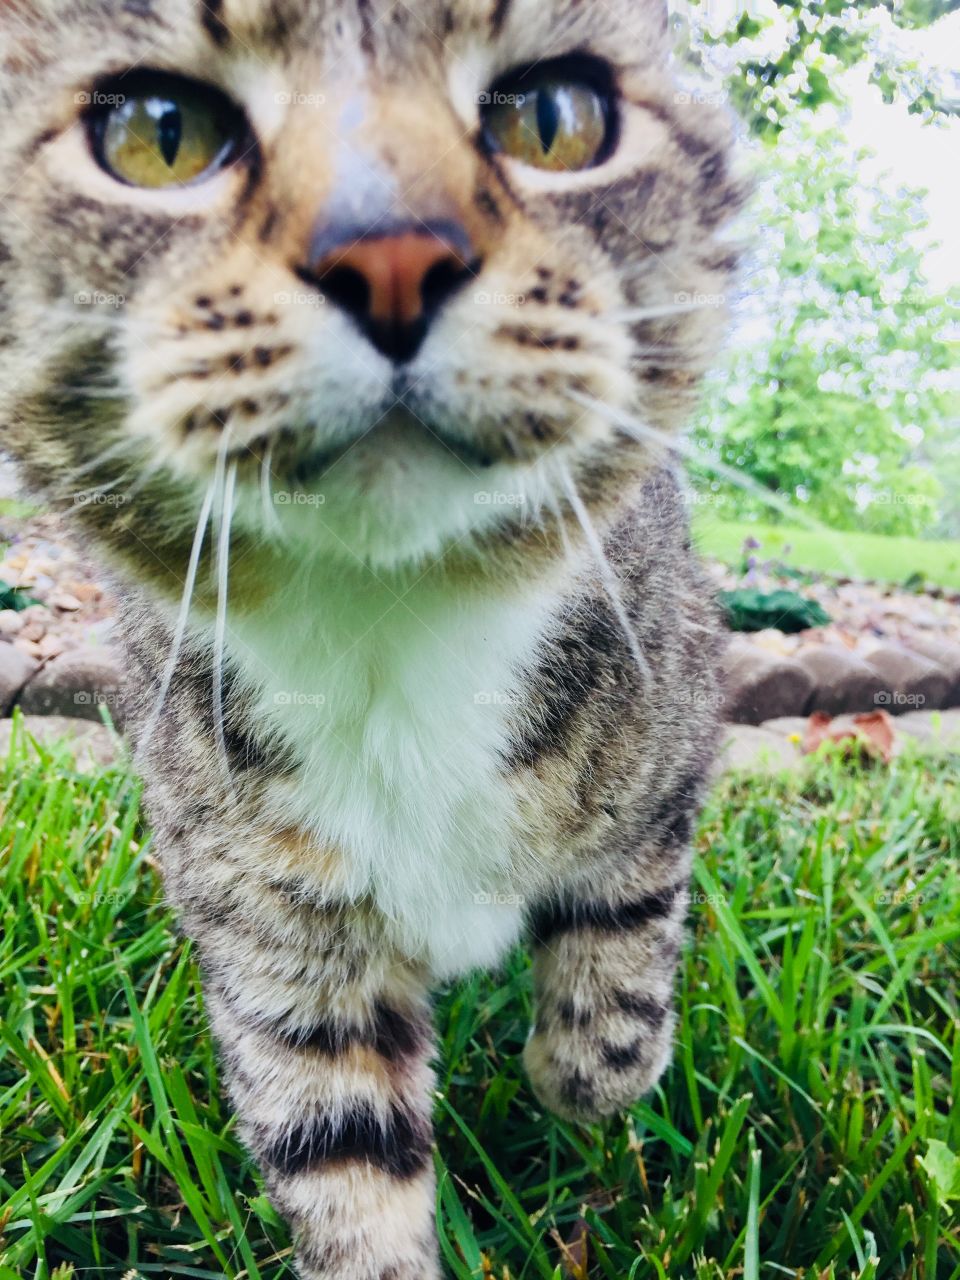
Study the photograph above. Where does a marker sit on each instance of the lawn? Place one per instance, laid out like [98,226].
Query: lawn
[863,555]
[811,1096]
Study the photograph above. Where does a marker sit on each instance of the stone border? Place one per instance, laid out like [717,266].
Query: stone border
[760,685]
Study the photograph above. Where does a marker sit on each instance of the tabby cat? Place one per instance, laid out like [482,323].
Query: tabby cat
[349,331]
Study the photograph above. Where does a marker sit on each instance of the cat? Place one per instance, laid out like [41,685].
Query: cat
[349,332]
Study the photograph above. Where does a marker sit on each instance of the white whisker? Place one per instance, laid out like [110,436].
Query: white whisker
[223,575]
[609,579]
[631,314]
[180,629]
[107,455]
[271,523]
[644,434]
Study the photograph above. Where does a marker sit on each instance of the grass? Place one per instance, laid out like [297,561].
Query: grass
[818,1058]
[862,555]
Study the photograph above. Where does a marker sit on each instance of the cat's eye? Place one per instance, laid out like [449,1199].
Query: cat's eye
[163,131]
[559,115]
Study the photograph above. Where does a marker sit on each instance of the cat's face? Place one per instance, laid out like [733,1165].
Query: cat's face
[339,243]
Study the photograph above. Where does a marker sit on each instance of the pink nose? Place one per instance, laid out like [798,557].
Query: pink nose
[393,285]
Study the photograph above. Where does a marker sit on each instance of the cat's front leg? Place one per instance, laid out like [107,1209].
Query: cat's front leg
[604,956]
[325,1037]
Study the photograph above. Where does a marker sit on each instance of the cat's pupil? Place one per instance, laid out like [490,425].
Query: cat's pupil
[170,133]
[548,119]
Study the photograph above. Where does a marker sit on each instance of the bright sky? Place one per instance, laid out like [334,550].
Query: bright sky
[918,155]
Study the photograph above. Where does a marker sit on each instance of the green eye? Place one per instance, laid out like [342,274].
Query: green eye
[552,117]
[163,131]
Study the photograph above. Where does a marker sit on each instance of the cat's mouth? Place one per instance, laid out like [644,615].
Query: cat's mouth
[297,458]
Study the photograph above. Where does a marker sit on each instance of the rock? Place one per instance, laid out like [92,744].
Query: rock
[93,745]
[29,647]
[16,668]
[943,653]
[762,686]
[787,727]
[51,646]
[911,681]
[747,748]
[933,728]
[842,680]
[10,622]
[65,601]
[77,684]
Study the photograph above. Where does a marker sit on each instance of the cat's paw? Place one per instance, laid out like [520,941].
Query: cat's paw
[584,1077]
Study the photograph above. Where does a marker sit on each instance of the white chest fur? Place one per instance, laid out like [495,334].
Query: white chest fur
[397,706]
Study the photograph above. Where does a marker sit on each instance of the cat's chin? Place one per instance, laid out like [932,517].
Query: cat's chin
[391,439]
[400,496]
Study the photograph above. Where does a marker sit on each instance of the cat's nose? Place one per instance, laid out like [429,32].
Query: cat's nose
[393,283]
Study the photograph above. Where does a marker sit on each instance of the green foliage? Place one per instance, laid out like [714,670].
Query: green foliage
[856,555]
[805,1127]
[839,405]
[788,55]
[14,598]
[747,609]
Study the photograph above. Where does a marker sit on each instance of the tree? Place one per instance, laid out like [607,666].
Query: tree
[780,57]
[841,401]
